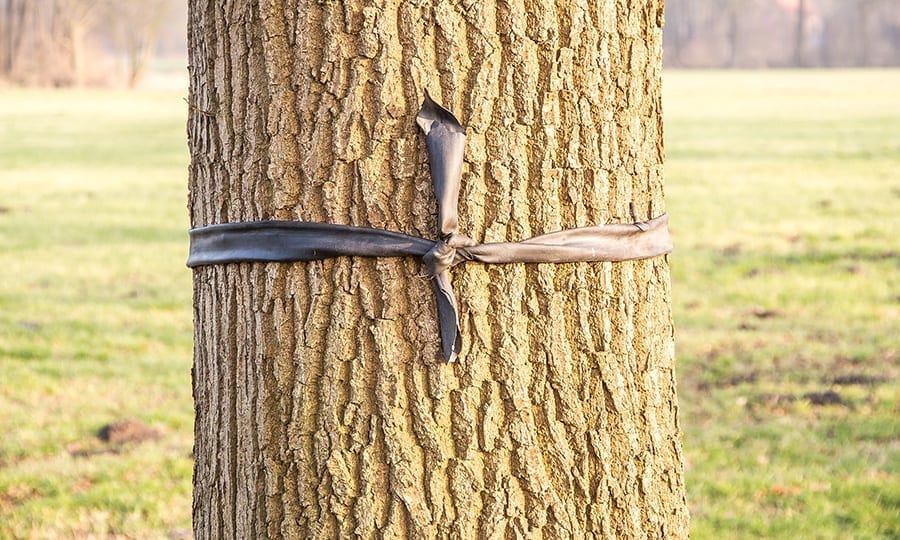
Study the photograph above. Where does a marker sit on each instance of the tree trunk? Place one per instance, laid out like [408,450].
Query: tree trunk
[864,12]
[800,35]
[15,30]
[733,35]
[322,408]
[76,34]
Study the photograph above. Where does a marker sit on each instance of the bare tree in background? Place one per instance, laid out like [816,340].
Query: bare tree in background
[134,26]
[680,25]
[731,10]
[75,19]
[78,42]
[800,37]
[61,42]
[782,33]
[12,28]
[44,41]
[876,20]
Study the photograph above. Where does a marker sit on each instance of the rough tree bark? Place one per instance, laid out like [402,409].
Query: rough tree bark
[322,409]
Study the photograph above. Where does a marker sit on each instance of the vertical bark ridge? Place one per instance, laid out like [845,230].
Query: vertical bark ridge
[321,408]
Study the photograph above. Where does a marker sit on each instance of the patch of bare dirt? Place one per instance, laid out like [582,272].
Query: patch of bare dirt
[111,438]
[763,313]
[127,431]
[17,494]
[829,397]
[859,379]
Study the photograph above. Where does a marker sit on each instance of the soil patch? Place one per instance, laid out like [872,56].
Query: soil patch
[127,431]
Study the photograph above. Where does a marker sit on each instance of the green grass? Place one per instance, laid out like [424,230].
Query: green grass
[94,314]
[784,190]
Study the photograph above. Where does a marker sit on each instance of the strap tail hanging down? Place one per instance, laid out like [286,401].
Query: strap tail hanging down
[445,139]
[283,241]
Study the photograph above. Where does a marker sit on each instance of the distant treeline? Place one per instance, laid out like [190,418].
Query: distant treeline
[781,33]
[111,42]
[84,42]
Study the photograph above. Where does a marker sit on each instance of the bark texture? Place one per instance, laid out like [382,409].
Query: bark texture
[322,407]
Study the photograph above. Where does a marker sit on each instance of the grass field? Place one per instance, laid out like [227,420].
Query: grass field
[784,191]
[95,318]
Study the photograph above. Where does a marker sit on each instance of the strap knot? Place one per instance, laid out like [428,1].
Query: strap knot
[447,252]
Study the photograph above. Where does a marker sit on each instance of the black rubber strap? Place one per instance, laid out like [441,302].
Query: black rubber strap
[283,241]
